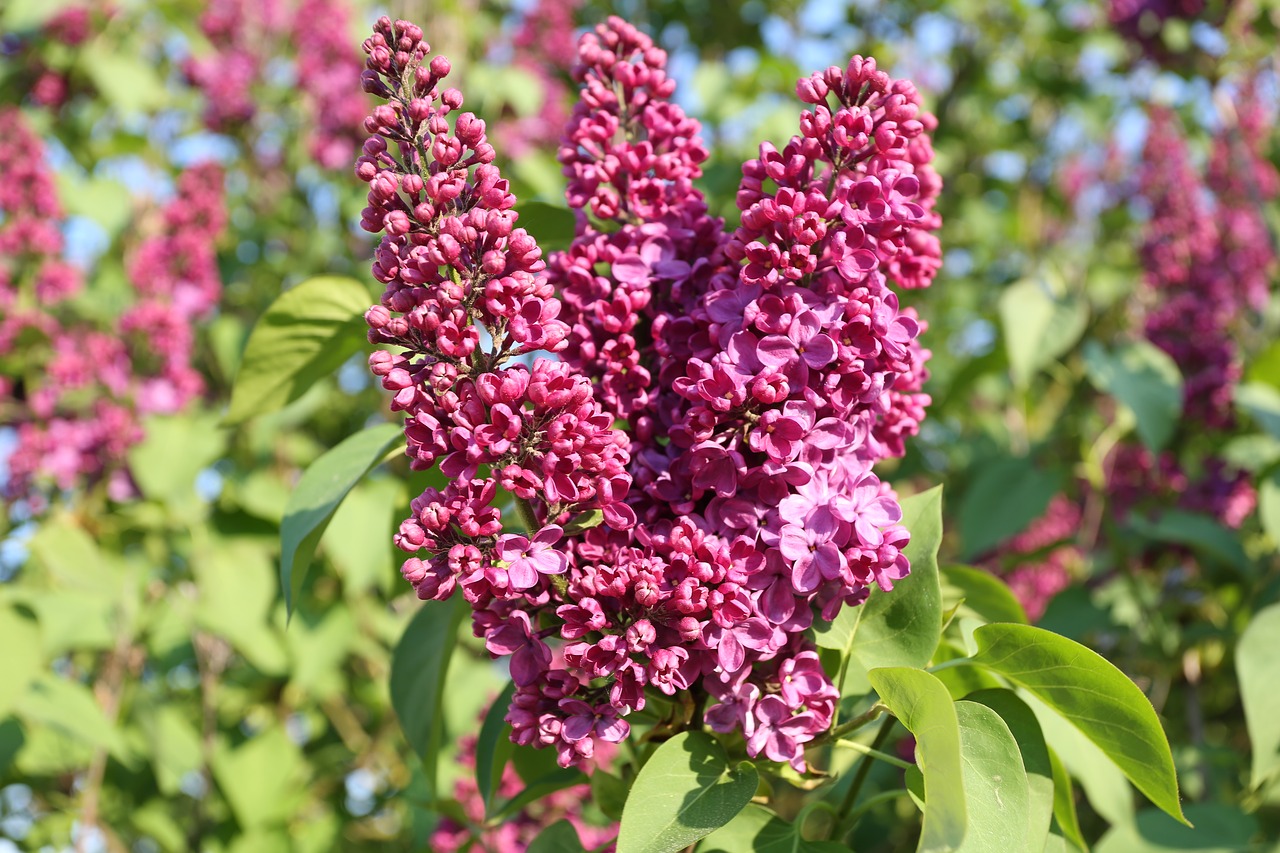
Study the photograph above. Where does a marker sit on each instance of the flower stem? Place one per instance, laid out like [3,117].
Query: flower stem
[528,518]
[875,753]
[864,768]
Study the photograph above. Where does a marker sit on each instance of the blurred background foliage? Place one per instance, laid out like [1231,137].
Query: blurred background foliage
[153,693]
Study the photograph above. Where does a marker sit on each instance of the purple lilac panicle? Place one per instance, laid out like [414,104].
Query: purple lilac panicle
[76,403]
[760,373]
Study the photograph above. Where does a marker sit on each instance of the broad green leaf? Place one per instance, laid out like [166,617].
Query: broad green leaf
[264,779]
[1252,453]
[1034,753]
[838,633]
[1265,367]
[493,746]
[69,708]
[1005,496]
[175,450]
[12,740]
[537,788]
[686,790]
[22,659]
[560,837]
[175,746]
[418,669]
[551,225]
[1064,802]
[319,645]
[1039,325]
[1201,532]
[1269,507]
[996,794]
[983,595]
[126,80]
[73,559]
[609,793]
[237,591]
[758,830]
[317,496]
[306,334]
[1262,403]
[1258,671]
[923,705]
[1106,788]
[1094,696]
[358,538]
[902,627]
[1217,829]
[1145,380]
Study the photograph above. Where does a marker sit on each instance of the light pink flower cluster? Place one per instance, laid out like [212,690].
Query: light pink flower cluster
[76,391]
[760,373]
[49,79]
[246,35]
[240,32]
[1039,562]
[516,833]
[544,48]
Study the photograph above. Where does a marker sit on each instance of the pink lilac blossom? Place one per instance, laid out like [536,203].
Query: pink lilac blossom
[544,48]
[77,392]
[516,833]
[49,85]
[1040,562]
[328,71]
[240,32]
[1142,22]
[760,374]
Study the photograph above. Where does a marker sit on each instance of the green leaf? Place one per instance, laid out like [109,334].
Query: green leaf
[1265,367]
[1258,671]
[1034,752]
[1201,532]
[318,495]
[684,791]
[1094,696]
[237,591]
[1145,380]
[21,661]
[12,740]
[551,225]
[996,794]
[306,334]
[493,746]
[1038,325]
[922,704]
[418,669]
[609,793]
[358,538]
[984,596]
[1218,829]
[556,780]
[126,80]
[560,837]
[1064,803]
[20,15]
[759,830]
[175,746]
[1006,496]
[176,449]
[263,779]
[1269,507]
[902,627]
[1106,788]
[1262,403]
[68,707]
[838,633]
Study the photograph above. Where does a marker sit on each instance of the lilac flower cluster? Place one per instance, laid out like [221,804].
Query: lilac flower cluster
[544,48]
[238,31]
[75,393]
[516,833]
[49,82]
[246,35]
[1208,260]
[1142,22]
[1040,562]
[760,374]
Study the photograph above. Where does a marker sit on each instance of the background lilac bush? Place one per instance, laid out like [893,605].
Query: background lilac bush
[203,497]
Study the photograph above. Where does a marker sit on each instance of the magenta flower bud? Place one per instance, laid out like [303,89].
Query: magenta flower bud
[440,67]
[451,98]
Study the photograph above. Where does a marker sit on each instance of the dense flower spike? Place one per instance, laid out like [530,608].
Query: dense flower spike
[237,31]
[328,69]
[77,397]
[543,47]
[1041,561]
[761,374]
[516,833]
